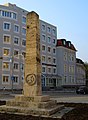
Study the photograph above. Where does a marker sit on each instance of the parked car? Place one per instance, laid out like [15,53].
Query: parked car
[82,90]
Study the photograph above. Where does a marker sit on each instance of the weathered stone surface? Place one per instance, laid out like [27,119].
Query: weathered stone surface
[48,104]
[43,98]
[25,110]
[33,59]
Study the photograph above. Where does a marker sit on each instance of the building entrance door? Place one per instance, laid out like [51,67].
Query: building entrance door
[54,82]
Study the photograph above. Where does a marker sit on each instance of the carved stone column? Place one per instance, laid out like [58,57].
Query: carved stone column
[32,84]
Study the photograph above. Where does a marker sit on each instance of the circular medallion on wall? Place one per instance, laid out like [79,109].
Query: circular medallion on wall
[31,79]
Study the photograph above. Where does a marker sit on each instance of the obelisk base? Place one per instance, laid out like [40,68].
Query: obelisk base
[38,105]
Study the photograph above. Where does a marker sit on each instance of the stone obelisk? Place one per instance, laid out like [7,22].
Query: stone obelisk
[32,83]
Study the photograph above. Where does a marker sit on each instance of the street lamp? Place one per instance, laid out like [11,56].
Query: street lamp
[43,80]
[12,77]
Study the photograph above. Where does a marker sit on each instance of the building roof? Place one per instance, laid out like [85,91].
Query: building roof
[66,44]
[79,61]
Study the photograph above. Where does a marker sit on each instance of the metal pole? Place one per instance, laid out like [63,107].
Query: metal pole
[12,78]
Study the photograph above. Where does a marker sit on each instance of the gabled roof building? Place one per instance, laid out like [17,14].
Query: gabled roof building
[66,62]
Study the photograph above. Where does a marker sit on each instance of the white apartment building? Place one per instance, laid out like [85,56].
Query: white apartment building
[12,48]
[48,37]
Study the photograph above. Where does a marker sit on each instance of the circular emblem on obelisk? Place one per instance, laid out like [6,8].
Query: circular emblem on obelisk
[31,79]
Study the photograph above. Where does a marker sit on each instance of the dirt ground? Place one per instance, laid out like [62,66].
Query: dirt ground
[80,112]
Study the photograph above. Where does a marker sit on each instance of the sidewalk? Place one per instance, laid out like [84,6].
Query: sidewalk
[6,95]
[77,99]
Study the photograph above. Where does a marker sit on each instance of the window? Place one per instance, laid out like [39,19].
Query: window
[54,41]
[65,56]
[6,39]
[50,81]
[70,69]
[65,68]
[6,52]
[16,28]
[43,59]
[49,59]
[49,70]
[65,79]
[22,77]
[23,42]
[73,58]
[43,47]
[43,81]
[69,44]
[48,29]
[54,70]
[64,42]
[15,66]
[49,49]
[5,65]
[24,54]
[8,14]
[14,15]
[22,66]
[16,40]
[43,27]
[24,19]
[69,79]
[7,26]
[5,79]
[49,40]
[16,52]
[15,79]
[54,60]
[69,57]
[24,31]
[54,50]
[53,31]
[43,69]
[72,80]
[43,37]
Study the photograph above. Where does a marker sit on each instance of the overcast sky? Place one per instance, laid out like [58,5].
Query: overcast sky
[69,16]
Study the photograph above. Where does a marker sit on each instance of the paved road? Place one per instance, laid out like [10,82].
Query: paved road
[71,97]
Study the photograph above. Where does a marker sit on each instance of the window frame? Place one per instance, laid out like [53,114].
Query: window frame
[7,35]
[16,28]
[23,21]
[23,33]
[14,40]
[7,69]
[5,22]
[7,49]
[42,47]
[3,83]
